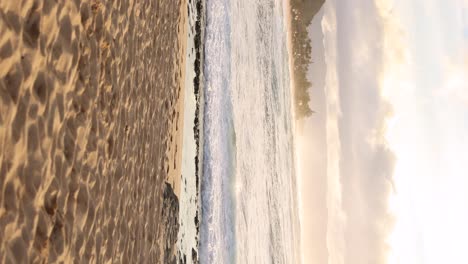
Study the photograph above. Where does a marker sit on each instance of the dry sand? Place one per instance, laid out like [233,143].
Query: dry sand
[90,130]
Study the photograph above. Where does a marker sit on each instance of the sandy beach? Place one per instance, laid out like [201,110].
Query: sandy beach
[91,116]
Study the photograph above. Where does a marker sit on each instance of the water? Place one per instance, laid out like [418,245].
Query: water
[249,205]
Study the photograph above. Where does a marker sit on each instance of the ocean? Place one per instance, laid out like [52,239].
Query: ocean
[248,188]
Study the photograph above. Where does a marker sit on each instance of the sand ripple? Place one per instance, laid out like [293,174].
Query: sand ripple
[88,94]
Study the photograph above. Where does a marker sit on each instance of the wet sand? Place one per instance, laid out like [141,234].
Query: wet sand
[192,153]
[90,130]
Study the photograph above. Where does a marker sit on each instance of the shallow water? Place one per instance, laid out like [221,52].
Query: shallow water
[249,205]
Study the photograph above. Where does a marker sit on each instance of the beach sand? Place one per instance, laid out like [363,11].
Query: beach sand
[91,98]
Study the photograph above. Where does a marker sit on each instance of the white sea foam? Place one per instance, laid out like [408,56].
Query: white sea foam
[188,237]
[249,210]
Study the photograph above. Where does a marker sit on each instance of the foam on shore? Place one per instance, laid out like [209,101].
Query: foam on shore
[192,152]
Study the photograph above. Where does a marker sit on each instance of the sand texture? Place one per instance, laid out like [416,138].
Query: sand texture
[89,130]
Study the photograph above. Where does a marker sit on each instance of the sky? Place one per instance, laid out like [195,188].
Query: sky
[384,160]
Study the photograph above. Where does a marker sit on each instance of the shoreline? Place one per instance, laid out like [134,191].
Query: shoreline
[289,18]
[176,132]
[192,152]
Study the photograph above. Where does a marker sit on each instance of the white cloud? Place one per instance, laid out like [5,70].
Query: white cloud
[397,108]
[361,43]
[429,94]
[454,86]
[336,217]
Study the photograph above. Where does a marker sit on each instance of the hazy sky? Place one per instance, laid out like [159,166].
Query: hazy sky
[385,159]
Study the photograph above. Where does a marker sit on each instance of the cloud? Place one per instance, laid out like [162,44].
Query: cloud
[336,215]
[362,42]
[454,87]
